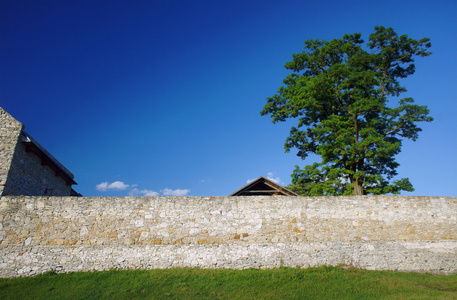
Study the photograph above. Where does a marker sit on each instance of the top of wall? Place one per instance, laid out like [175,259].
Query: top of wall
[320,202]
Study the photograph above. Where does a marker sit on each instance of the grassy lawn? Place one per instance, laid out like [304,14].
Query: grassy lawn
[283,283]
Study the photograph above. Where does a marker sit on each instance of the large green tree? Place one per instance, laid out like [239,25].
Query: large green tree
[345,96]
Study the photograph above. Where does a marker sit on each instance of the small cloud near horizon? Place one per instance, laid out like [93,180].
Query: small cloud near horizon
[133,191]
[116,186]
[270,177]
[177,192]
[138,193]
[275,180]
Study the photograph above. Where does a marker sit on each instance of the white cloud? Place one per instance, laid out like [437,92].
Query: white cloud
[270,177]
[102,186]
[149,193]
[275,180]
[177,192]
[136,192]
[116,185]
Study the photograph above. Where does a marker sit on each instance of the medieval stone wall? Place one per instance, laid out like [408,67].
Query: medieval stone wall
[38,234]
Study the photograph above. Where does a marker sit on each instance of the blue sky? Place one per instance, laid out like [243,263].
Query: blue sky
[163,97]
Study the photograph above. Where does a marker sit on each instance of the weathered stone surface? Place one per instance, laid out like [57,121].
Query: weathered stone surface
[66,234]
[10,130]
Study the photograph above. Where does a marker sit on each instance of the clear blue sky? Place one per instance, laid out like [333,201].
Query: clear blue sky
[163,97]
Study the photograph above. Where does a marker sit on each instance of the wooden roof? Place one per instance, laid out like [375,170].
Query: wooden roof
[263,187]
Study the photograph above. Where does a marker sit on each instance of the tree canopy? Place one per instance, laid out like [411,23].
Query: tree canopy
[341,93]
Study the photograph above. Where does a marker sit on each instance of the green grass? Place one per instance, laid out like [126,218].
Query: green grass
[283,283]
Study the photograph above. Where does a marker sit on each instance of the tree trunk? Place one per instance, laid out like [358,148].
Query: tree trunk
[358,189]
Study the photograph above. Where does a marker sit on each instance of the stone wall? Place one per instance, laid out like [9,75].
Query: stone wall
[38,234]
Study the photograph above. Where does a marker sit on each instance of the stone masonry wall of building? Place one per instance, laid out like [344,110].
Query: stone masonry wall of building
[29,177]
[63,234]
[22,172]
[10,130]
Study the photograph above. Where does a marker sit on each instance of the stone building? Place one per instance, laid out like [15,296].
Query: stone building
[26,168]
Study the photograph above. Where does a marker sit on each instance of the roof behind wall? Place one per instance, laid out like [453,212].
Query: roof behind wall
[263,187]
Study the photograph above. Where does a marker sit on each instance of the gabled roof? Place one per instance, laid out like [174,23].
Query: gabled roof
[263,187]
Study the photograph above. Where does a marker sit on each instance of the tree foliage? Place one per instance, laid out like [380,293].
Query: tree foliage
[339,91]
